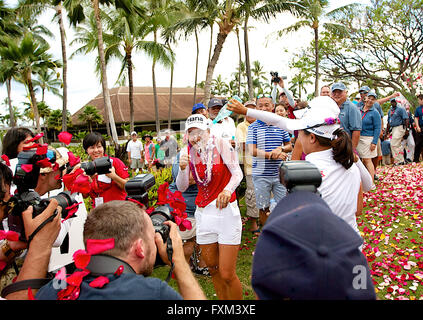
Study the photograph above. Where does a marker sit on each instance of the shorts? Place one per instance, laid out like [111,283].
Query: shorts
[189,234]
[264,186]
[363,148]
[221,226]
[250,198]
[136,163]
[379,148]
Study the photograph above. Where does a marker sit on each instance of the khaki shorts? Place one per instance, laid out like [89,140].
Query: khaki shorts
[136,163]
[189,234]
[363,148]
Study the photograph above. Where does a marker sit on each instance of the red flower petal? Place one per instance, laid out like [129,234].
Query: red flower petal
[96,246]
[26,167]
[42,149]
[119,271]
[76,278]
[32,146]
[38,136]
[9,235]
[187,224]
[71,210]
[70,293]
[65,137]
[73,160]
[6,159]
[81,184]
[30,294]
[44,163]
[99,282]
[81,258]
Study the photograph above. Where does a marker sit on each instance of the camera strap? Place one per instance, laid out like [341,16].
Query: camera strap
[49,219]
[169,250]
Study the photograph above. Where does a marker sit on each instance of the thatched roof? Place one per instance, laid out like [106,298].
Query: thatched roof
[182,102]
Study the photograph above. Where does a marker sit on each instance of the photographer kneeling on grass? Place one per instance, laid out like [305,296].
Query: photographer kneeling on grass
[124,267]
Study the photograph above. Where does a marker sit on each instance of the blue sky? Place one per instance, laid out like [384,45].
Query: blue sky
[273,53]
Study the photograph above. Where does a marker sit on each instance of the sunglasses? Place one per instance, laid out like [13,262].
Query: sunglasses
[264,96]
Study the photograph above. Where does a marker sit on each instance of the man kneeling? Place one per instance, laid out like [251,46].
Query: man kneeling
[135,248]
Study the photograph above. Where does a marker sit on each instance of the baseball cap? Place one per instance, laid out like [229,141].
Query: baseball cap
[197,121]
[372,93]
[133,132]
[215,102]
[250,102]
[59,154]
[320,118]
[338,86]
[198,106]
[364,89]
[306,252]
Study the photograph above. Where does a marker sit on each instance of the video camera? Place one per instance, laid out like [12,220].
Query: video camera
[275,77]
[137,189]
[25,181]
[300,176]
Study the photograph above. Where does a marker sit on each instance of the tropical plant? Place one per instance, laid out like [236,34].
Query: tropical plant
[91,116]
[48,80]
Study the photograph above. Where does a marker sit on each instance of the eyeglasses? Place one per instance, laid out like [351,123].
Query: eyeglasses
[264,96]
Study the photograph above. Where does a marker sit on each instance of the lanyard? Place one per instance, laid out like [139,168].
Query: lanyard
[363,115]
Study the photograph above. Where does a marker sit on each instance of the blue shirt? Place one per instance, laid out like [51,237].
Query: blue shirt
[418,114]
[125,287]
[267,138]
[386,147]
[371,124]
[376,105]
[350,117]
[397,116]
[189,194]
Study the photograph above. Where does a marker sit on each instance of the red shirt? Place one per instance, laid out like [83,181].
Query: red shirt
[110,191]
[220,176]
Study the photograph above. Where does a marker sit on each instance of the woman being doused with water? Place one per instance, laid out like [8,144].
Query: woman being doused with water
[214,165]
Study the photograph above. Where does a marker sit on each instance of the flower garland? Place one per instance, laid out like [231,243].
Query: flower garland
[331,121]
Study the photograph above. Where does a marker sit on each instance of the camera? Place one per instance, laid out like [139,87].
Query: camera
[299,176]
[275,77]
[137,189]
[100,166]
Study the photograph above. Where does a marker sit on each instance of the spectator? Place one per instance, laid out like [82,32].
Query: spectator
[280,110]
[305,252]
[284,97]
[371,130]
[224,129]
[15,140]
[149,150]
[135,248]
[386,152]
[418,122]
[170,147]
[200,108]
[349,114]
[109,186]
[398,122]
[250,197]
[408,142]
[159,154]
[325,91]
[214,166]
[268,145]
[134,150]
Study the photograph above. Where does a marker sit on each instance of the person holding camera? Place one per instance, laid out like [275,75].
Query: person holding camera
[109,186]
[129,262]
[39,251]
[329,148]
[214,165]
[285,98]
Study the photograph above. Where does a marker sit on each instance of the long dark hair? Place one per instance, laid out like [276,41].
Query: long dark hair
[342,147]
[12,139]
[6,177]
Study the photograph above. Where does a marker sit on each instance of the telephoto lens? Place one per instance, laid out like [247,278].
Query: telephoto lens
[99,166]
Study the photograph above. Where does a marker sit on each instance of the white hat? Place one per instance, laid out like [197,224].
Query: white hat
[197,121]
[133,132]
[320,118]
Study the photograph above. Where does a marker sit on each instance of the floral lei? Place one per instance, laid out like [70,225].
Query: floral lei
[206,156]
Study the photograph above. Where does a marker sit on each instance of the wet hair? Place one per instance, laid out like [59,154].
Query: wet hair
[6,177]
[92,139]
[342,147]
[12,139]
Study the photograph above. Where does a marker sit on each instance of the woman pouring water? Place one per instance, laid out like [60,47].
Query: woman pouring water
[214,165]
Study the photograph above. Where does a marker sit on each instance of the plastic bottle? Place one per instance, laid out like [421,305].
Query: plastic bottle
[224,112]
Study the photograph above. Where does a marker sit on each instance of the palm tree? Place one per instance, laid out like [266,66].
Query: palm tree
[16,114]
[315,11]
[8,26]
[29,57]
[55,121]
[8,70]
[76,15]
[48,80]
[90,115]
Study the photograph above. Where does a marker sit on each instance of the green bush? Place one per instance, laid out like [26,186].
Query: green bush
[161,176]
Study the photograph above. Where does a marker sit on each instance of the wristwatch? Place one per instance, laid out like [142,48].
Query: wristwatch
[8,251]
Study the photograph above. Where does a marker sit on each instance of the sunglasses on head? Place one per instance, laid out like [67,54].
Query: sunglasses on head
[262,95]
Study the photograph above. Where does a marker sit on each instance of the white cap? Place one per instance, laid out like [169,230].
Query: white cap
[197,121]
[320,118]
[133,132]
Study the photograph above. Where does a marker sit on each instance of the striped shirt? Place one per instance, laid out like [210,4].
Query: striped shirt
[267,138]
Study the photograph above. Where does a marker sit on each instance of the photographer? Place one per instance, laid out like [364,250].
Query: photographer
[38,255]
[135,248]
[285,98]
[109,186]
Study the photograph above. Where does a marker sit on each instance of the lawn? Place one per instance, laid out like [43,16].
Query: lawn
[390,226]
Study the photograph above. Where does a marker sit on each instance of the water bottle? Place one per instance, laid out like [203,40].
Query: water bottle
[224,112]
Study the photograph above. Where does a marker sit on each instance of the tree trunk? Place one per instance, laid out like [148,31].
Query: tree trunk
[211,43]
[12,121]
[156,104]
[64,69]
[247,61]
[131,92]
[106,94]
[239,62]
[221,37]
[196,66]
[34,104]
[170,96]
[316,59]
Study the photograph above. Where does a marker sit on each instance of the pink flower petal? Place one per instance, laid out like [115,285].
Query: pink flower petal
[73,160]
[96,246]
[26,167]
[81,258]
[6,159]
[99,282]
[42,149]
[65,137]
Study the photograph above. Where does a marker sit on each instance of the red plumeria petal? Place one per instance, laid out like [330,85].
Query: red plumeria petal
[71,210]
[119,271]
[32,146]
[26,167]
[6,159]
[38,136]
[73,160]
[81,258]
[42,149]
[187,224]
[99,282]
[65,137]
[44,163]
[9,235]
[70,293]
[30,294]
[76,278]
[81,184]
[96,246]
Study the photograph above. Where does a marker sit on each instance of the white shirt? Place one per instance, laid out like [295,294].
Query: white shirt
[224,130]
[135,148]
[339,186]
